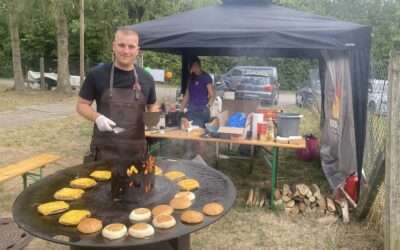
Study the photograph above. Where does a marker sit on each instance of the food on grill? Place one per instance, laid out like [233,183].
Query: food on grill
[68,194]
[162,209]
[132,170]
[180,203]
[114,231]
[101,175]
[53,207]
[187,194]
[192,217]
[140,214]
[141,230]
[133,180]
[83,183]
[90,225]
[164,221]
[73,217]
[174,175]
[189,184]
[158,171]
[213,209]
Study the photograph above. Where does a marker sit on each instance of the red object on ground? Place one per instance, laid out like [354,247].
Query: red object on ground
[351,186]
[311,152]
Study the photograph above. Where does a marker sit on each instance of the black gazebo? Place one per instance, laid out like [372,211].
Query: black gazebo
[260,28]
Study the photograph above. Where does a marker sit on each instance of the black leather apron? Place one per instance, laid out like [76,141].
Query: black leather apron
[124,106]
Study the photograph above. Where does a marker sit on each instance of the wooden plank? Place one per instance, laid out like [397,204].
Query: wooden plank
[392,173]
[27,165]
[369,191]
[196,136]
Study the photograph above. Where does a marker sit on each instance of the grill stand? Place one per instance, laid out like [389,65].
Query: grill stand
[180,243]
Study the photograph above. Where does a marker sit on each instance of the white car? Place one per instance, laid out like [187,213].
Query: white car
[33,78]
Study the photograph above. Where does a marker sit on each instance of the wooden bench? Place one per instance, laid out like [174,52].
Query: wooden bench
[25,167]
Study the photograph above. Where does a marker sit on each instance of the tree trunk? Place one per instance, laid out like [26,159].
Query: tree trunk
[82,42]
[16,53]
[63,81]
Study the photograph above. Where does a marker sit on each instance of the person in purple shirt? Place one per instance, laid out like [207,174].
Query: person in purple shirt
[199,95]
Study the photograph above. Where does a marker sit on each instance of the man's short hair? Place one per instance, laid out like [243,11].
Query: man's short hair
[127,30]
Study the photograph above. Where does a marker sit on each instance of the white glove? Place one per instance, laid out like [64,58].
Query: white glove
[104,124]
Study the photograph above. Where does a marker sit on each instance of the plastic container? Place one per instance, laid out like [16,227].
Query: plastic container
[269,113]
[262,129]
[288,124]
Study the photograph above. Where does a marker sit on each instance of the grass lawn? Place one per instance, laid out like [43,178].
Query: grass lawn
[242,228]
[10,100]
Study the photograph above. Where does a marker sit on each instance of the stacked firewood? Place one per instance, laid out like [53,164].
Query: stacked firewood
[304,199]
[256,198]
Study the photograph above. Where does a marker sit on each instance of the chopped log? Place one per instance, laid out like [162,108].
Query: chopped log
[313,205]
[286,198]
[262,200]
[302,207]
[312,199]
[279,202]
[330,205]
[321,202]
[297,194]
[298,198]
[307,202]
[292,210]
[250,198]
[286,190]
[295,210]
[278,194]
[316,191]
[344,210]
[256,198]
[304,190]
[290,204]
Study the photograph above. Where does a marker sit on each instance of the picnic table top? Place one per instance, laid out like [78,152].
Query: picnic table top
[196,135]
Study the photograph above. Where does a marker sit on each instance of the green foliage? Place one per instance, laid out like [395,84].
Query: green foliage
[102,17]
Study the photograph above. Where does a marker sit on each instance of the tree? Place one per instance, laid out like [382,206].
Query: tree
[63,79]
[15,45]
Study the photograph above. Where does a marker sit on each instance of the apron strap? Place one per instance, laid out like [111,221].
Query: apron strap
[136,84]
[112,79]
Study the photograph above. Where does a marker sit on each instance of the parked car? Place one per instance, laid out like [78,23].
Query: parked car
[310,94]
[263,88]
[234,76]
[377,96]
[33,78]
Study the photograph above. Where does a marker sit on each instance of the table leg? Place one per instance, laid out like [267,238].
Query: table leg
[216,154]
[252,155]
[274,167]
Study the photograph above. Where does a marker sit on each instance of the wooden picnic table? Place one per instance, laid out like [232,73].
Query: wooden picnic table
[269,149]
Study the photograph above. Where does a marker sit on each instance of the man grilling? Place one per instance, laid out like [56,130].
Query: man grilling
[122,92]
